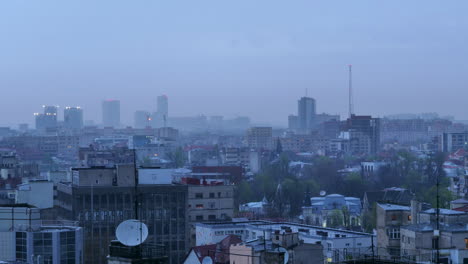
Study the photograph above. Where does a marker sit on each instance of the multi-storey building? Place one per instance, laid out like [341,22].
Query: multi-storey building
[111,113]
[418,242]
[26,238]
[101,198]
[73,118]
[323,211]
[306,113]
[260,138]
[142,119]
[451,142]
[210,201]
[335,242]
[404,131]
[47,121]
[390,218]
[364,134]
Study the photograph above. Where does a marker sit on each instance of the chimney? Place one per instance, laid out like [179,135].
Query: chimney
[415,210]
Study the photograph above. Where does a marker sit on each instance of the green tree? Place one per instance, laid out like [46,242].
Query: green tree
[243,193]
[354,185]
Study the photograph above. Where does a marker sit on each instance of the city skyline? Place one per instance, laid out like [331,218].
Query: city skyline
[210,64]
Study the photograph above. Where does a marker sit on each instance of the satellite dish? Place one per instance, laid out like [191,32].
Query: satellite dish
[131,232]
[322,193]
[207,260]
[286,254]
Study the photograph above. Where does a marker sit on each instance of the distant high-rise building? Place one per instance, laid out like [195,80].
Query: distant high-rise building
[163,106]
[160,117]
[364,134]
[48,119]
[306,113]
[142,119]
[111,113]
[293,122]
[260,137]
[73,118]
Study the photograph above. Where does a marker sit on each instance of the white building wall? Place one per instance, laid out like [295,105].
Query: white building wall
[7,246]
[39,194]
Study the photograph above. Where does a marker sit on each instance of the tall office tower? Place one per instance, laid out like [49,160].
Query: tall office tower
[293,121]
[142,119]
[306,114]
[100,198]
[162,112]
[73,118]
[111,113]
[163,106]
[364,134]
[47,120]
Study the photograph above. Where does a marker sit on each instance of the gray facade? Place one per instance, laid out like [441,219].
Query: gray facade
[103,198]
[306,112]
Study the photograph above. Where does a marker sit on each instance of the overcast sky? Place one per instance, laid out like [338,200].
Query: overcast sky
[233,58]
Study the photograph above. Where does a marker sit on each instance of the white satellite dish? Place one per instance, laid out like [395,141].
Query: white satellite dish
[322,193]
[286,254]
[131,232]
[207,260]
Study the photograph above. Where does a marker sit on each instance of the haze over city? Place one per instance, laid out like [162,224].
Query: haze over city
[236,58]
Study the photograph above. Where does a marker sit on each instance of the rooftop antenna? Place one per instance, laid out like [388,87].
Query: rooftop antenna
[133,232]
[350,87]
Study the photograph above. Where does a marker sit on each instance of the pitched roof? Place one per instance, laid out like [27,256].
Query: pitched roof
[394,207]
[203,251]
[462,209]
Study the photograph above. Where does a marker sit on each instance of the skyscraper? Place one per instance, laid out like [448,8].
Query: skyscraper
[111,113]
[73,118]
[142,119]
[47,120]
[306,114]
[162,111]
[163,106]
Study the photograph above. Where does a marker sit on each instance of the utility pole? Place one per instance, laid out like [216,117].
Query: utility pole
[437,232]
[350,91]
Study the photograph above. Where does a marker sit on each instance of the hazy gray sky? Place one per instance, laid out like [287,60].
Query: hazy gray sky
[242,57]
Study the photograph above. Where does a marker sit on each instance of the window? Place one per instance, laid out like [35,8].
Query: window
[466,242]
[212,195]
[199,195]
[199,206]
[393,233]
[394,217]
[199,217]
[219,233]
[219,194]
[211,217]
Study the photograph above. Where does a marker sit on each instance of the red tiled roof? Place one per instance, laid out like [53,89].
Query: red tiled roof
[203,251]
[462,209]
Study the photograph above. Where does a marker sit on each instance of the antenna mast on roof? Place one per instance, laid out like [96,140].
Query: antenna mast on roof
[350,87]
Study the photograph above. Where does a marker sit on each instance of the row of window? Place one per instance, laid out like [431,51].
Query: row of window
[229,232]
[201,195]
